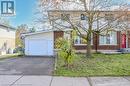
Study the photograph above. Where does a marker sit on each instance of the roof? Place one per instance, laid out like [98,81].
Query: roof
[85,11]
[44,31]
[7,26]
[38,32]
[77,6]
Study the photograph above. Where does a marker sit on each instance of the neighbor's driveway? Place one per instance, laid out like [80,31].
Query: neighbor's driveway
[27,66]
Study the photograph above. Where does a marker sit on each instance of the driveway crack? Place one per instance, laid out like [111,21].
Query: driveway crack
[126,78]
[51,81]
[16,80]
[89,81]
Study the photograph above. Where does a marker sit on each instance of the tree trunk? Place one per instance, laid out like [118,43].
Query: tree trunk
[89,54]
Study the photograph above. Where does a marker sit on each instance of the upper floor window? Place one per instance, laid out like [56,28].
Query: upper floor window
[65,17]
[83,17]
[109,17]
[128,16]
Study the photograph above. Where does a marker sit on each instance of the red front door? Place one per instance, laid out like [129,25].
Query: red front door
[123,44]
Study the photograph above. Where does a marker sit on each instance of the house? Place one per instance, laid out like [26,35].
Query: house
[7,39]
[43,43]
[115,40]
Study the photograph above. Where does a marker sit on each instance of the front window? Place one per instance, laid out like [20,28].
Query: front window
[80,41]
[77,40]
[109,39]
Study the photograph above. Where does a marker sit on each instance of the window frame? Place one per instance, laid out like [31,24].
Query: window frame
[110,40]
[109,17]
[81,39]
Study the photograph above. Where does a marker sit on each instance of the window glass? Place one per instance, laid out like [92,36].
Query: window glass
[80,40]
[83,17]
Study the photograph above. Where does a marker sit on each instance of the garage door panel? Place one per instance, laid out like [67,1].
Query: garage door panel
[40,47]
[50,47]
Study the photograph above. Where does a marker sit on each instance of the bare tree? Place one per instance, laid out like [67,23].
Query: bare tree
[93,12]
[20,30]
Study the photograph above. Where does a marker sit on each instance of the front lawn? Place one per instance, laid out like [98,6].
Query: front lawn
[99,65]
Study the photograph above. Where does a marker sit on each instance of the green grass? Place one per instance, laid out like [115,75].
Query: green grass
[9,56]
[99,65]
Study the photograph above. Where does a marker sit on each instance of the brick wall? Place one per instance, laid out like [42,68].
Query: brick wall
[101,47]
[58,34]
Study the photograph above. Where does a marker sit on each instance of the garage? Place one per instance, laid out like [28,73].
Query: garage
[39,43]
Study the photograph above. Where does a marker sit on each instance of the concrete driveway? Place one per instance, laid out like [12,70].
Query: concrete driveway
[27,66]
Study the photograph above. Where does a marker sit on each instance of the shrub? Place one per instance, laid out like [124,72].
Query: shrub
[19,50]
[66,50]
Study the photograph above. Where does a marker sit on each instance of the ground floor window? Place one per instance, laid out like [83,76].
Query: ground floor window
[109,39]
[80,41]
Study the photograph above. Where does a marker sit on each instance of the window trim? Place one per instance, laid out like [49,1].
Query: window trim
[107,44]
[81,44]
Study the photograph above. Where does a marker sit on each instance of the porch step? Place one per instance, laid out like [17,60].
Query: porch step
[111,52]
[125,50]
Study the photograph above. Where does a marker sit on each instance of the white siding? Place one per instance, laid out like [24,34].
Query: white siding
[6,33]
[7,37]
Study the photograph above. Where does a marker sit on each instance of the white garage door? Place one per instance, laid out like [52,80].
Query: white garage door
[40,47]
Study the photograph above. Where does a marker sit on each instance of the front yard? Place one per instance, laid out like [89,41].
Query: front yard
[99,65]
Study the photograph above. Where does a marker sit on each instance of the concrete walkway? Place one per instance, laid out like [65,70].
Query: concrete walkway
[8,80]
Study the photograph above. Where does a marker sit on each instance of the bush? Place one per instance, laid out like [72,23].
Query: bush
[19,50]
[65,50]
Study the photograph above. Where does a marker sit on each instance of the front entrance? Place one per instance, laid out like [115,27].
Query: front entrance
[128,39]
[123,40]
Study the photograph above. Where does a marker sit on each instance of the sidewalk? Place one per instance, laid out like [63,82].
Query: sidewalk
[62,81]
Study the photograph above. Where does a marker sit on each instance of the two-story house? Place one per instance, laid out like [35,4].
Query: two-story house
[114,40]
[43,42]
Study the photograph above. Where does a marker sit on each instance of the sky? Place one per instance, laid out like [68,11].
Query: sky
[25,10]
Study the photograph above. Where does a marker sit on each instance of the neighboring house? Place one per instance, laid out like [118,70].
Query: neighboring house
[7,39]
